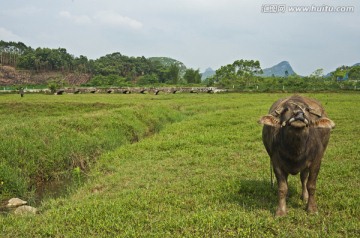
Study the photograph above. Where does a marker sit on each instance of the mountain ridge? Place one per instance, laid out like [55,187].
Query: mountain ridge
[282,69]
[209,72]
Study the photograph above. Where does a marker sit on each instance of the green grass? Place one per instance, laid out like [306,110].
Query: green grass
[45,137]
[201,171]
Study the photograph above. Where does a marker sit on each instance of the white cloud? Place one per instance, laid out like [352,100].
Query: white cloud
[114,19]
[7,35]
[65,14]
[106,18]
[80,20]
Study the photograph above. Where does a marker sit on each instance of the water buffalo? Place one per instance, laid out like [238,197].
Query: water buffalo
[295,134]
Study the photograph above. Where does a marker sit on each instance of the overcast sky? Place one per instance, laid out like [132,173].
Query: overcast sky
[199,33]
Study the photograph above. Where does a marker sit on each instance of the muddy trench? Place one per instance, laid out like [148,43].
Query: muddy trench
[70,180]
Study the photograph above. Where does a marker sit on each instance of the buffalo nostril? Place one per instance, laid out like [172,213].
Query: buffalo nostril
[299,114]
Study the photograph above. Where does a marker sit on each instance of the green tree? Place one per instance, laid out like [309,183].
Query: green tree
[173,74]
[81,64]
[317,73]
[354,73]
[341,72]
[209,81]
[192,76]
[240,73]
[55,84]
[148,79]
[226,75]
[10,52]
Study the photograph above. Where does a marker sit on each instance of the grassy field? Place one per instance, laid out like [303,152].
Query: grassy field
[198,167]
[47,138]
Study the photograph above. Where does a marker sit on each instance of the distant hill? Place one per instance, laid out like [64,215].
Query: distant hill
[207,74]
[278,70]
[169,61]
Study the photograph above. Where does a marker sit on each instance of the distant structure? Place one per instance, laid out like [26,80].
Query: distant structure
[21,92]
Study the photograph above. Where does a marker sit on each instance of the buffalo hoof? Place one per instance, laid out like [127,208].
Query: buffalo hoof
[312,210]
[280,213]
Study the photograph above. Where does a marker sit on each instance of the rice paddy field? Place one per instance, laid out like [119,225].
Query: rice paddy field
[169,165]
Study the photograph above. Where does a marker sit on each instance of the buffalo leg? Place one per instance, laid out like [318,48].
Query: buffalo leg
[304,178]
[311,187]
[281,178]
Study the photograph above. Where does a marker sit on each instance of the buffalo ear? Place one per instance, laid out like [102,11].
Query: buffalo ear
[324,123]
[269,120]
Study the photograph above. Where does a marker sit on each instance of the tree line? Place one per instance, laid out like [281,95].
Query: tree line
[110,70]
[120,70]
[245,75]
